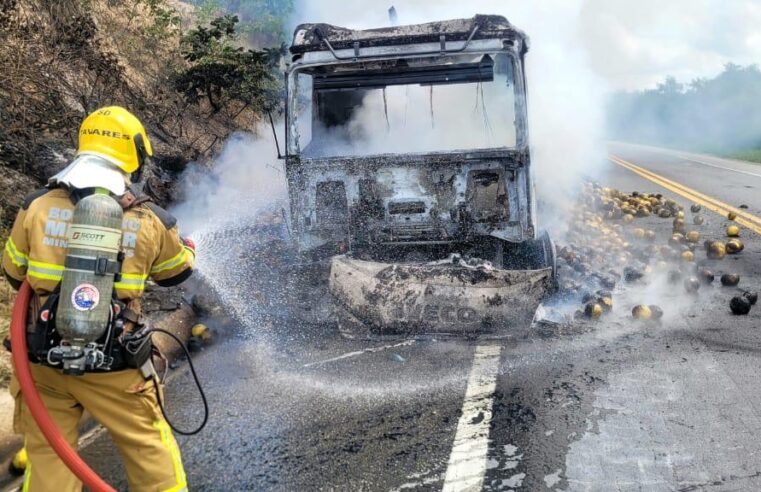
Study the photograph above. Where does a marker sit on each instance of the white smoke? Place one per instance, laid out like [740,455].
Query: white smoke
[633,45]
[416,118]
[566,97]
[245,180]
[566,101]
[579,48]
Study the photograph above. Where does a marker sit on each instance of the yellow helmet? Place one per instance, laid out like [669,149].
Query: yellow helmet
[116,135]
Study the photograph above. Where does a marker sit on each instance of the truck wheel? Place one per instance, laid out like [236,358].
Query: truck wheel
[306,298]
[533,254]
[348,325]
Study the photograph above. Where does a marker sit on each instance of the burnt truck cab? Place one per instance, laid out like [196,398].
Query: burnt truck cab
[410,143]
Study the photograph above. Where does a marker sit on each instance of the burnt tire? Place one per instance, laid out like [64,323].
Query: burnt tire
[305,296]
[533,254]
[348,325]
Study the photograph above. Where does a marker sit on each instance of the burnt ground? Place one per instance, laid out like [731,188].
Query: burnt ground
[611,405]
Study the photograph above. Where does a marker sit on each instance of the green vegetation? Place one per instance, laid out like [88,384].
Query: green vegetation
[221,72]
[721,115]
[192,84]
[262,22]
[752,155]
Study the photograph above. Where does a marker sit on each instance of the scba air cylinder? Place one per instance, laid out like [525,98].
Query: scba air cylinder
[92,251]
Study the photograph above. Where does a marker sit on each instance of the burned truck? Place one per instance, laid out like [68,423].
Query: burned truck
[409,178]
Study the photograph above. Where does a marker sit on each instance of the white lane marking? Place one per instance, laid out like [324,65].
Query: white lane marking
[419,480]
[688,157]
[360,352]
[553,478]
[467,462]
[698,161]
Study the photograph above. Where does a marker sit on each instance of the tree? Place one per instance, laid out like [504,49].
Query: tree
[221,72]
[719,114]
[262,22]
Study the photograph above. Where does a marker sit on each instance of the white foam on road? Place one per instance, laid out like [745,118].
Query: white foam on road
[553,478]
[513,482]
[682,422]
[467,462]
[418,481]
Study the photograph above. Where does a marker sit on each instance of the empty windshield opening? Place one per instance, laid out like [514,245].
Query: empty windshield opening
[406,106]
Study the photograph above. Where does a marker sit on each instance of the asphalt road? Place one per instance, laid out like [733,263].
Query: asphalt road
[613,406]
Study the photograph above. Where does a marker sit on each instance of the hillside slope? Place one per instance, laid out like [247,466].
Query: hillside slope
[66,58]
[61,60]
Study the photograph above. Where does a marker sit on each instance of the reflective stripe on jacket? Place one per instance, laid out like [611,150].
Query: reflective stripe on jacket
[36,248]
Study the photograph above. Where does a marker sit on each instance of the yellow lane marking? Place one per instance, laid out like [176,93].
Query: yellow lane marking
[738,211]
[744,218]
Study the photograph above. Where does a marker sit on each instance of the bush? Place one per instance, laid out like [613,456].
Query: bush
[261,21]
[718,114]
[220,71]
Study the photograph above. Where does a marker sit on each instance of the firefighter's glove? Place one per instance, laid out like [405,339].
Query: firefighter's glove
[189,243]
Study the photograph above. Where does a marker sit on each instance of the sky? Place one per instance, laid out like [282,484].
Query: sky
[628,44]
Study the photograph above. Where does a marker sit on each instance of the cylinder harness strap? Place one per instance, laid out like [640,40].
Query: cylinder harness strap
[101,266]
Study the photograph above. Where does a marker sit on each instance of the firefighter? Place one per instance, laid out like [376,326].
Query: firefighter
[113,145]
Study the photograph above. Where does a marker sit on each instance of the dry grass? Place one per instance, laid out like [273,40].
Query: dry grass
[63,59]
[7,295]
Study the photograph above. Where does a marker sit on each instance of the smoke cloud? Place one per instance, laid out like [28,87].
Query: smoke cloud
[417,118]
[566,96]
[580,50]
[245,180]
[631,45]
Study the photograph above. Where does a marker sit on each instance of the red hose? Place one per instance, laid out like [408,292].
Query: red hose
[48,427]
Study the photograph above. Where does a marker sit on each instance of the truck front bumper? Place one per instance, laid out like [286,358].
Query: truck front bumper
[374,299]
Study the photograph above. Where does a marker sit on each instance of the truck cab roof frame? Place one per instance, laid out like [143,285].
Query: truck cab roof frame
[327,37]
[358,55]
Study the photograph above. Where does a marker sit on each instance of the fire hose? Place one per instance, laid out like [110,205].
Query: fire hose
[37,408]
